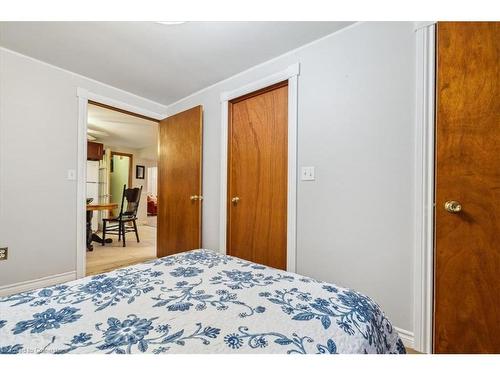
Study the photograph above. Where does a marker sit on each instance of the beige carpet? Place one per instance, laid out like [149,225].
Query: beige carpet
[151,221]
[111,256]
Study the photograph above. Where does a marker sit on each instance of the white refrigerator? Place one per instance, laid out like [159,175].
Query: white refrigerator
[93,187]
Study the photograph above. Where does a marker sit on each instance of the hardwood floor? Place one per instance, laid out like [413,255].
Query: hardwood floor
[112,256]
[411,351]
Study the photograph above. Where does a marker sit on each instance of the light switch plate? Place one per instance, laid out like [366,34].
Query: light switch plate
[71,174]
[4,251]
[307,174]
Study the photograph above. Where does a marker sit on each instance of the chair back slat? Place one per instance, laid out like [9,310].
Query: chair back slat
[130,202]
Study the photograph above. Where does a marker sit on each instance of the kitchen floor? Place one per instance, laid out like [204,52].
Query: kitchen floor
[114,255]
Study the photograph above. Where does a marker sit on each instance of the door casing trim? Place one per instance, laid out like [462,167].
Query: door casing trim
[84,96]
[423,267]
[290,74]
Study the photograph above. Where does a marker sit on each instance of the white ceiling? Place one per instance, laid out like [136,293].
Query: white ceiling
[121,130]
[161,62]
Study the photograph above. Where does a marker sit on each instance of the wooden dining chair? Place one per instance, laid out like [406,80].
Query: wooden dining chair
[128,214]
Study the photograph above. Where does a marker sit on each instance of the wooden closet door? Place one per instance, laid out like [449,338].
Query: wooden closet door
[179,182]
[257,176]
[467,260]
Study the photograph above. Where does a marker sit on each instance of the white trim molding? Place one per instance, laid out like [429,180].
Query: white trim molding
[291,71]
[42,282]
[291,74]
[407,338]
[422,24]
[83,98]
[81,187]
[424,188]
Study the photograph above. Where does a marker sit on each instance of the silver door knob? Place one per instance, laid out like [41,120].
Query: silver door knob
[453,207]
[235,200]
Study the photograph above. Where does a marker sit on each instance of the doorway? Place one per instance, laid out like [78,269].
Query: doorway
[257,176]
[167,184]
[120,174]
[120,148]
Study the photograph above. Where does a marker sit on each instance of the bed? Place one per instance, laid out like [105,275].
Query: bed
[195,302]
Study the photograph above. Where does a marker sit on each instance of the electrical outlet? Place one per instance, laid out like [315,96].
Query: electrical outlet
[4,251]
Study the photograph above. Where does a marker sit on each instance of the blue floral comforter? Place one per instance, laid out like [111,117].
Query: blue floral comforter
[195,302]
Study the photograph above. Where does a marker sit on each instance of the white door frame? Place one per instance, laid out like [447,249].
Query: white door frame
[81,191]
[291,74]
[423,285]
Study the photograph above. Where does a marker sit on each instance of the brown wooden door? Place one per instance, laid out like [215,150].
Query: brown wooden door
[257,176]
[179,182]
[467,261]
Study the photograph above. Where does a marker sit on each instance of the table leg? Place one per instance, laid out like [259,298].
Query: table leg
[90,247]
[97,238]
[93,236]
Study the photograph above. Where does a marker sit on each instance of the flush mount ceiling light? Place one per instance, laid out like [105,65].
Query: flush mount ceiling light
[97,133]
[170,22]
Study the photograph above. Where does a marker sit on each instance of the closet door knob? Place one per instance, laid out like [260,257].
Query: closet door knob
[453,207]
[235,200]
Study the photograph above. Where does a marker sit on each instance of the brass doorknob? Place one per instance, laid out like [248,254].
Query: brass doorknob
[196,197]
[453,206]
[235,200]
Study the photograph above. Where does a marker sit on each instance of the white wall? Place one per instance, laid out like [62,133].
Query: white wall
[38,144]
[149,153]
[356,123]
[356,104]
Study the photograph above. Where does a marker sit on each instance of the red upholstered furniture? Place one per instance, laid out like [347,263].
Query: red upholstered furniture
[152,205]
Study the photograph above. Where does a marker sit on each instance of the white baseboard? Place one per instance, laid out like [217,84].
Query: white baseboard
[42,282]
[407,337]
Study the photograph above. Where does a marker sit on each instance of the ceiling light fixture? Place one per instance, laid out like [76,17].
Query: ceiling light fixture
[97,133]
[170,22]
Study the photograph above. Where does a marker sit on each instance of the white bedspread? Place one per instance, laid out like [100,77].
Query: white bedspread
[195,302]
